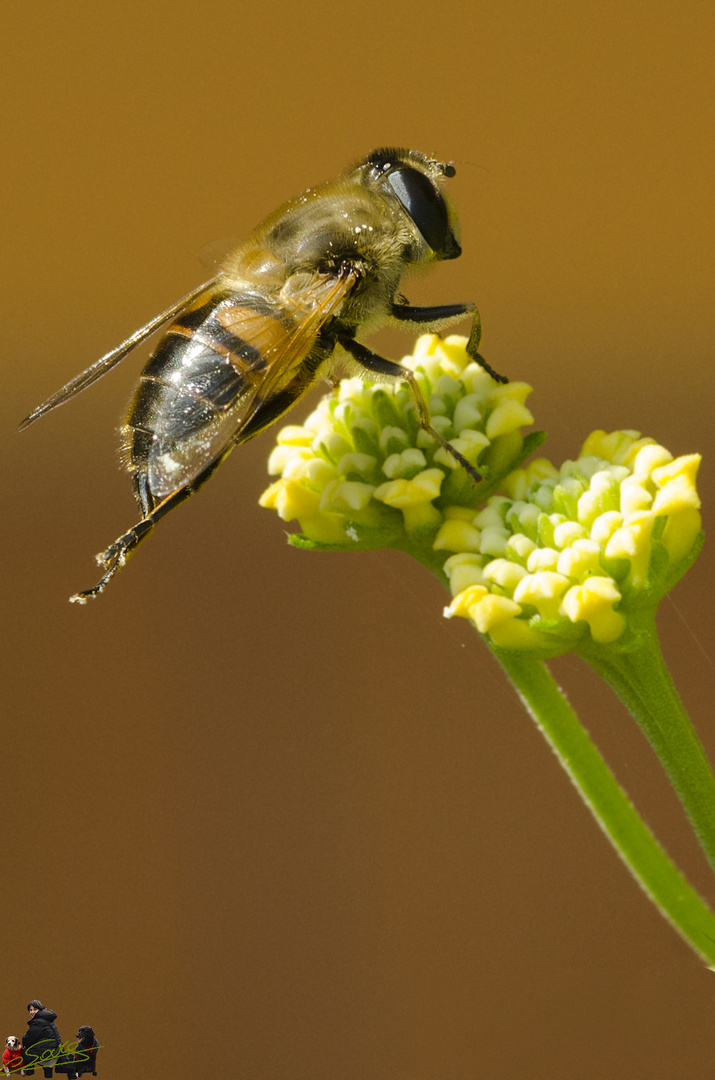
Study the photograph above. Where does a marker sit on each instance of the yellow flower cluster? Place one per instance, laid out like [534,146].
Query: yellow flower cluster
[556,558]
[360,469]
[563,553]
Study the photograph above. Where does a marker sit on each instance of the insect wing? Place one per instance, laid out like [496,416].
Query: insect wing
[269,341]
[307,302]
[214,254]
[111,359]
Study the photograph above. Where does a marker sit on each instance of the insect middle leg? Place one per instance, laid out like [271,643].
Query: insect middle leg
[373,362]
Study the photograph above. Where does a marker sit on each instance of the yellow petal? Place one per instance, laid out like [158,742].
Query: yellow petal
[469,444]
[588,508]
[332,444]
[493,540]
[281,455]
[605,526]
[402,493]
[519,548]
[567,532]
[626,542]
[464,570]
[609,446]
[452,353]
[269,497]
[424,347]
[465,600]
[680,533]
[632,541]
[315,470]
[493,610]
[290,499]
[511,391]
[545,558]
[593,603]
[543,591]
[492,514]
[504,573]
[581,559]
[468,413]
[397,465]
[687,466]
[346,496]
[507,416]
[678,494]
[457,536]
[649,458]
[355,462]
[634,496]
[293,435]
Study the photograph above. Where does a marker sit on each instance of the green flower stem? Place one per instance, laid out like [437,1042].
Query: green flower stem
[642,681]
[609,804]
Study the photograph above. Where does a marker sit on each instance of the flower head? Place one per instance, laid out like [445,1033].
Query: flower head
[538,558]
[567,555]
[360,472]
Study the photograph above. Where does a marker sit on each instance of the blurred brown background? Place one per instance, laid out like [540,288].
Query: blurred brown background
[266,813]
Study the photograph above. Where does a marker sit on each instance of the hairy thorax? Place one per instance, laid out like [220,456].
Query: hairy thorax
[327,233]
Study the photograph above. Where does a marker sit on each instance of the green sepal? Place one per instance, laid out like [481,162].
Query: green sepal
[385,411]
[365,433]
[566,631]
[677,570]
[358,537]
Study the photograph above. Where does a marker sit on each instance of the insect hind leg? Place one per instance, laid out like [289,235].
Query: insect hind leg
[114,558]
[142,493]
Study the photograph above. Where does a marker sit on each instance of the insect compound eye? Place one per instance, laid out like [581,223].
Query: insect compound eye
[425,205]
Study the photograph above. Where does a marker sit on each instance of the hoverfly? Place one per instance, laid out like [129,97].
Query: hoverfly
[284,310]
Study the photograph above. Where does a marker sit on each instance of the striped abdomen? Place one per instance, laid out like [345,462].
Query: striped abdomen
[190,394]
[229,366]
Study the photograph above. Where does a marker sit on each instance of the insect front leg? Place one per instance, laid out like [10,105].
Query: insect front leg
[436,318]
[373,362]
